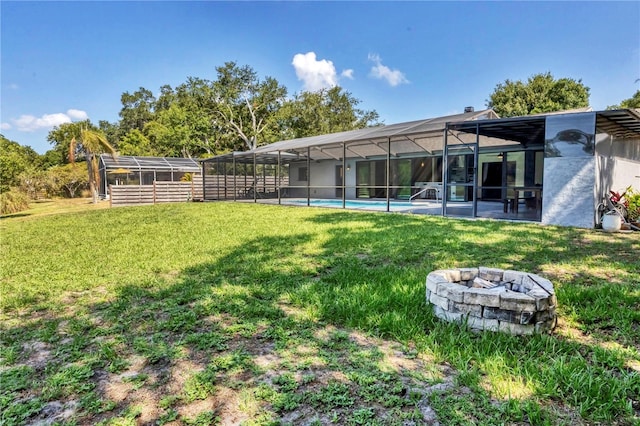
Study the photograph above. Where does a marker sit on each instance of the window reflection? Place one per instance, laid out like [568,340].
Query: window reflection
[570,135]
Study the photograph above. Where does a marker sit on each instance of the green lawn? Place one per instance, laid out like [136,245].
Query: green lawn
[252,314]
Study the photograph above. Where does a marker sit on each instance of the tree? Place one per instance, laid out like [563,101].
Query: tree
[56,156]
[61,136]
[325,111]
[92,143]
[193,107]
[184,121]
[137,110]
[14,160]
[84,140]
[632,102]
[541,93]
[199,101]
[110,130]
[170,132]
[68,179]
[135,143]
[237,111]
[246,104]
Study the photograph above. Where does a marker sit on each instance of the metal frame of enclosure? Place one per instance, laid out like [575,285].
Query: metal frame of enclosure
[135,170]
[472,164]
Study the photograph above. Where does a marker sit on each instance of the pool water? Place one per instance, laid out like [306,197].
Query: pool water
[356,204]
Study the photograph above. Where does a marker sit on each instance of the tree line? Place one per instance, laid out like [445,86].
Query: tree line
[236,111]
[198,118]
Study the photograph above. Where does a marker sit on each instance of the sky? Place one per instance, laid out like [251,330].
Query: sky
[69,61]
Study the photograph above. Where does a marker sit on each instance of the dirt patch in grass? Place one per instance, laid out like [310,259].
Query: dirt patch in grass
[330,376]
[306,374]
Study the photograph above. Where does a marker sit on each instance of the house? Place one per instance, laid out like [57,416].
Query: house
[551,168]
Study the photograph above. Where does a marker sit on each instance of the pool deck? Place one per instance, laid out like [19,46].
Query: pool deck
[485,209]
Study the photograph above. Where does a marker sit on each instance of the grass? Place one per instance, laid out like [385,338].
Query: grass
[43,207]
[253,314]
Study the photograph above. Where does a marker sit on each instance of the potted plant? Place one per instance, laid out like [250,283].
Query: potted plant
[612,221]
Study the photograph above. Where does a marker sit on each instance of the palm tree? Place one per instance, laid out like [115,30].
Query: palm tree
[85,138]
[91,142]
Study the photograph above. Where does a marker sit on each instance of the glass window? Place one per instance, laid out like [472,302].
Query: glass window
[302,174]
[427,169]
[401,178]
[363,172]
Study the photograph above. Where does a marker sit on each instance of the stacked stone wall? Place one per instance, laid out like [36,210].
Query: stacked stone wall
[516,302]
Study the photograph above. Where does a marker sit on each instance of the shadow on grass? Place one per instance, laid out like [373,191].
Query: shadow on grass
[265,334]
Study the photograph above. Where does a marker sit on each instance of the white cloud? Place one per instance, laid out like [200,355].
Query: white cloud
[393,77]
[347,74]
[315,74]
[5,126]
[29,123]
[14,86]
[76,114]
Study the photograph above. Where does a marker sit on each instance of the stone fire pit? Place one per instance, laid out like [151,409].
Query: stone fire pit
[493,299]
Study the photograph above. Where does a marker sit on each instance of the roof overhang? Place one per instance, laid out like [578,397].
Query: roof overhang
[525,130]
[407,138]
[622,123]
[426,136]
[138,163]
[530,130]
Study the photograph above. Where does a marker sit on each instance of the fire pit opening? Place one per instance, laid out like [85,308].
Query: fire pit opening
[493,299]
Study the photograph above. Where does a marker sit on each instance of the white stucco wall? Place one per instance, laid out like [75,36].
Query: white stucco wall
[616,174]
[618,164]
[322,174]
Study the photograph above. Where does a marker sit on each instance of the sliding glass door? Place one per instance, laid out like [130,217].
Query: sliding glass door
[371,179]
[510,185]
[460,182]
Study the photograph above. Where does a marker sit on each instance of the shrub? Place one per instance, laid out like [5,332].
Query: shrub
[32,182]
[13,201]
[633,198]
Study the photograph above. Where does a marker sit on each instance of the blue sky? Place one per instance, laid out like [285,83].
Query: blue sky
[65,61]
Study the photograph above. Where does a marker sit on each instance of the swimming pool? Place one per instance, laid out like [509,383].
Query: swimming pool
[359,204]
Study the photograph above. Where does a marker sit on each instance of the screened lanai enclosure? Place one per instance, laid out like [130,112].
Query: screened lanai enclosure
[132,170]
[470,165]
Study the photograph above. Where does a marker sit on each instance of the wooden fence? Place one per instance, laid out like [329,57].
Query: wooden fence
[218,187]
[159,192]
